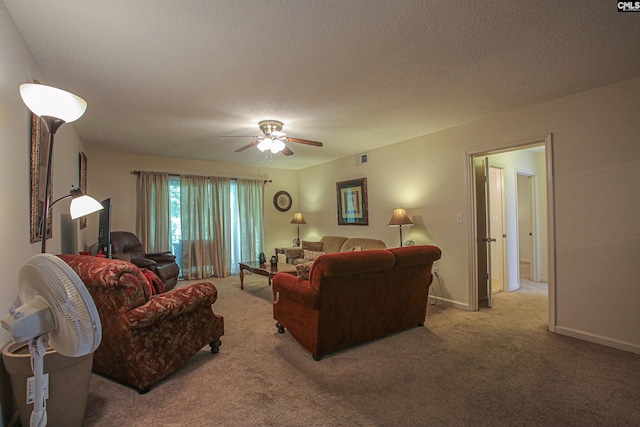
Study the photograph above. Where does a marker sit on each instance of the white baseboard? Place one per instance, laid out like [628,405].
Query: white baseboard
[448,303]
[598,339]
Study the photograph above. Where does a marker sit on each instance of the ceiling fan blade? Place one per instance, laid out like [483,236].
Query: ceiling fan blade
[247,146]
[240,136]
[305,141]
[287,151]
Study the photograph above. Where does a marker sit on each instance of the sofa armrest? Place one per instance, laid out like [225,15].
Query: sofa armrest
[143,262]
[293,253]
[173,304]
[290,287]
[162,257]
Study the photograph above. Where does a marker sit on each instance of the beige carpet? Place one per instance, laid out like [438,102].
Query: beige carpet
[496,367]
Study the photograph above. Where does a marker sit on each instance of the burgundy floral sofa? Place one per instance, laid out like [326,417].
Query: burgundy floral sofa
[354,297]
[146,334]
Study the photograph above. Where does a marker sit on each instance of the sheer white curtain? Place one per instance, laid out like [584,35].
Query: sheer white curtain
[250,218]
[205,223]
[152,211]
[220,221]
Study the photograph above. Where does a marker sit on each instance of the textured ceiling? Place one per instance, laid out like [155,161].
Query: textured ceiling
[170,77]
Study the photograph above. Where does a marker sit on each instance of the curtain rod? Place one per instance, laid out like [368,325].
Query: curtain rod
[176,174]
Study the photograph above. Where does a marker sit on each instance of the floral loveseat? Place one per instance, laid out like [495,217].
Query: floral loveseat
[309,251]
[354,297]
[146,335]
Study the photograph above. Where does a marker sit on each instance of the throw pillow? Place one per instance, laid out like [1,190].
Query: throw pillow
[312,246]
[303,270]
[311,255]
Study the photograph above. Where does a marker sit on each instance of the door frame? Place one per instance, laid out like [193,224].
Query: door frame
[472,231]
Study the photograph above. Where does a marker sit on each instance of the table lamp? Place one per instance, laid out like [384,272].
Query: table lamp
[399,218]
[298,219]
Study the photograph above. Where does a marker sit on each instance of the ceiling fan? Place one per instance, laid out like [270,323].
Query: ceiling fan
[274,140]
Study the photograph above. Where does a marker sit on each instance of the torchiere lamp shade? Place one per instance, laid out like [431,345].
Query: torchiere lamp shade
[49,101]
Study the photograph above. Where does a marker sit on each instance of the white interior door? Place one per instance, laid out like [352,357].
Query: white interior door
[497,229]
[525,225]
[483,240]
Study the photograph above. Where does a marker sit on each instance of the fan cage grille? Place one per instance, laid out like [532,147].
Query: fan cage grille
[78,329]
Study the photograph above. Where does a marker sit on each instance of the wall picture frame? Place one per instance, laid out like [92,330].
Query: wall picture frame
[82,180]
[352,202]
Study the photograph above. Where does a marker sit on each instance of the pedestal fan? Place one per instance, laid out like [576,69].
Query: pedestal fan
[57,311]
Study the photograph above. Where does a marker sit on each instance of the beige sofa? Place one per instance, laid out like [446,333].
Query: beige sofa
[330,245]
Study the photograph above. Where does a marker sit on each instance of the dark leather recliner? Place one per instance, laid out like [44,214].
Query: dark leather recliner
[163,264]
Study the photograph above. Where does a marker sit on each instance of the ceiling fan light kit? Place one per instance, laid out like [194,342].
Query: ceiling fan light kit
[273,145]
[274,140]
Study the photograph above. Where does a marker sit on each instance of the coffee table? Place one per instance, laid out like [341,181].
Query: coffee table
[265,270]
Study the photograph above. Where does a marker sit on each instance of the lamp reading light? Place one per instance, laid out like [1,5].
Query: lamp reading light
[398,219]
[81,204]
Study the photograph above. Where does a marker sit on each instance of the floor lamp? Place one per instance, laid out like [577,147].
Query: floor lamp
[399,218]
[56,107]
[298,219]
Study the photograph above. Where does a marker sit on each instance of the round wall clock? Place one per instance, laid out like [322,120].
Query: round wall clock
[282,201]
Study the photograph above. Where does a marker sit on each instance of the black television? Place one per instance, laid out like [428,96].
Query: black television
[104,229]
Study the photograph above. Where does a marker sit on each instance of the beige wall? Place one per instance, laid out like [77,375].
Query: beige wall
[109,176]
[596,164]
[18,66]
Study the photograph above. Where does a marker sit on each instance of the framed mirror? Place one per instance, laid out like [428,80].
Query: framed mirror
[82,178]
[39,157]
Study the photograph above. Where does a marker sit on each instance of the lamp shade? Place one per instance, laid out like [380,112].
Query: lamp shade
[84,205]
[298,218]
[265,144]
[277,146]
[49,101]
[399,217]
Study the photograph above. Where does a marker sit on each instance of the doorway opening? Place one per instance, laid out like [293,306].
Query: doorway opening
[512,216]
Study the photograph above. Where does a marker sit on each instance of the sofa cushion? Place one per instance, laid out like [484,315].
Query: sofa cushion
[312,246]
[332,244]
[302,270]
[364,243]
[311,255]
